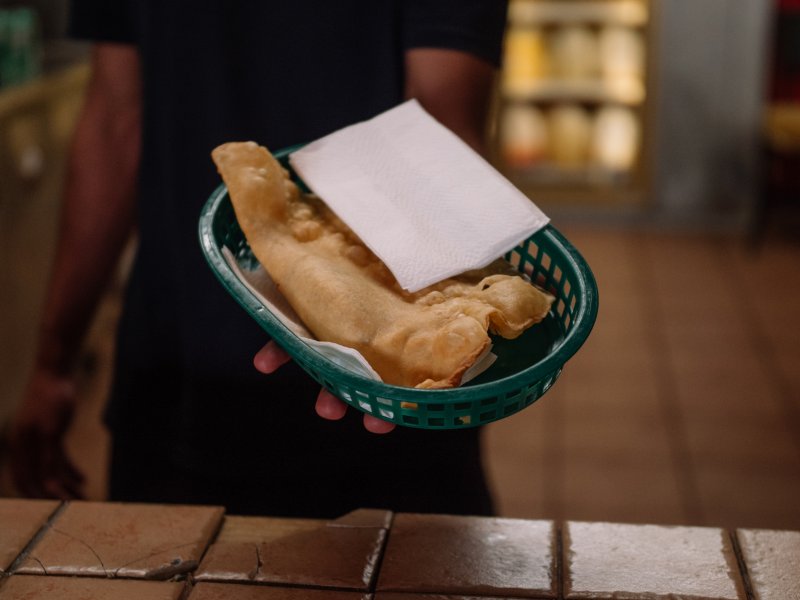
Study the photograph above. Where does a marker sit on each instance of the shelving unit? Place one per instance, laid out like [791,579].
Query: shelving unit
[36,123]
[572,122]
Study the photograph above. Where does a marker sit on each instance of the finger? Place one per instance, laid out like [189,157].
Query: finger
[270,358]
[329,406]
[376,425]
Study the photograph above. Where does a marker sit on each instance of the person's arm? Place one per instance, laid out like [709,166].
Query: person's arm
[96,221]
[455,88]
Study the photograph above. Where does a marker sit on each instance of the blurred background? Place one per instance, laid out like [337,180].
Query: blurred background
[663,138]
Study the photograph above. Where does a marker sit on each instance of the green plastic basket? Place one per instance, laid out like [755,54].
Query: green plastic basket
[525,367]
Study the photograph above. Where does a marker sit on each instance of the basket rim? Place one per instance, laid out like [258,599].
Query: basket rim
[582,322]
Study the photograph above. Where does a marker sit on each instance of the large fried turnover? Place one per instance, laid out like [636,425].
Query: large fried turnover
[345,294]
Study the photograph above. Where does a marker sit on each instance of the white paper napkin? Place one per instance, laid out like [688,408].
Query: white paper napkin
[418,196]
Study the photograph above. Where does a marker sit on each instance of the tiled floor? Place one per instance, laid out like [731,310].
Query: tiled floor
[682,408]
[108,551]
[684,404]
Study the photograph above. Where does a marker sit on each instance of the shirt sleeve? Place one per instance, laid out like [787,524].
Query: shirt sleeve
[474,26]
[102,21]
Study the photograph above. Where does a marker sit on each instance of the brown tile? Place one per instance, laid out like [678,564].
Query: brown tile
[523,428]
[231,561]
[772,559]
[618,287]
[786,363]
[607,561]
[697,339]
[28,587]
[412,596]
[757,442]
[777,316]
[609,364]
[124,540]
[620,469]
[614,352]
[365,517]
[733,391]
[625,318]
[256,530]
[773,269]
[517,458]
[693,299]
[603,488]
[233,591]
[519,484]
[718,359]
[739,495]
[328,556]
[609,257]
[19,522]
[679,258]
[609,397]
[476,556]
[639,438]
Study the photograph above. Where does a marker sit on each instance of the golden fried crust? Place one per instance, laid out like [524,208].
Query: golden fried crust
[345,294]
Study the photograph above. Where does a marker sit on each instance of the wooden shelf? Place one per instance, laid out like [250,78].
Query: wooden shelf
[631,13]
[43,89]
[629,93]
[549,174]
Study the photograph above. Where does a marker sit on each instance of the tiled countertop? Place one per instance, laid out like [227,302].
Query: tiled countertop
[109,551]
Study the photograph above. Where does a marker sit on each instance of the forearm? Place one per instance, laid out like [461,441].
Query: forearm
[454,87]
[98,207]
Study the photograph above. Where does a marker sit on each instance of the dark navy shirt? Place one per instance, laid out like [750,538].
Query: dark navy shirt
[279,73]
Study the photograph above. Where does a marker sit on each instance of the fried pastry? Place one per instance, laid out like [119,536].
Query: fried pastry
[345,294]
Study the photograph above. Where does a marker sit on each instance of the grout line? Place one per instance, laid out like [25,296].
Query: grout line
[188,587]
[212,539]
[743,572]
[279,585]
[666,390]
[559,559]
[376,571]
[35,539]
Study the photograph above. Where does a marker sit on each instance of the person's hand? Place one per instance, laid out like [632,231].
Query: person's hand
[271,357]
[39,464]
